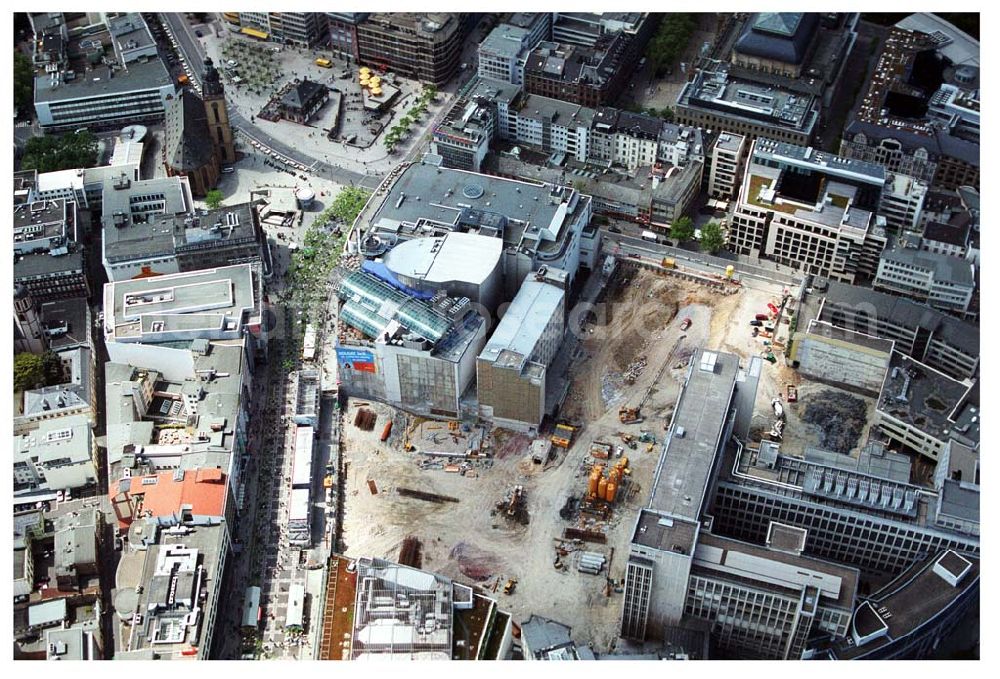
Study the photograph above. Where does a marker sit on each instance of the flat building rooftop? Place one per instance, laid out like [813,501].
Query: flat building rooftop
[689,453]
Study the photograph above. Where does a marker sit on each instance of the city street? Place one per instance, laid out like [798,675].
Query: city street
[616,243]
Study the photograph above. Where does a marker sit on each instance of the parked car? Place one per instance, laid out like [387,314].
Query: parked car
[685,324]
[756,323]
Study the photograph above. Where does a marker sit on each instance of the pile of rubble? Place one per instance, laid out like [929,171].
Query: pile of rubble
[839,417]
[633,370]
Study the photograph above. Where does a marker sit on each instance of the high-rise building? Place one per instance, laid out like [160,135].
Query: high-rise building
[862,512]
[82,88]
[920,115]
[305,29]
[511,369]
[809,210]
[427,47]
[910,617]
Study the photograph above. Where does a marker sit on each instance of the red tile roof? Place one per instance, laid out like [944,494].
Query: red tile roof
[203,491]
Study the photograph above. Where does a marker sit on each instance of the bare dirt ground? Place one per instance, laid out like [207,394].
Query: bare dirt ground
[467,539]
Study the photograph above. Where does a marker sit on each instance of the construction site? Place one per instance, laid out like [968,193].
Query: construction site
[543,523]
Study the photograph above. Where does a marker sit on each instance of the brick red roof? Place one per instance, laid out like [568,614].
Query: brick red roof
[203,491]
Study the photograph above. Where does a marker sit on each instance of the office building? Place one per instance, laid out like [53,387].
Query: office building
[921,408]
[941,281]
[801,52]
[144,315]
[343,28]
[954,237]
[180,417]
[85,186]
[811,211]
[937,339]
[863,512]
[426,47]
[110,78]
[919,114]
[716,100]
[44,225]
[135,241]
[415,351]
[511,369]
[302,29]
[537,24]
[591,74]
[767,602]
[475,121]
[545,639]
[49,261]
[726,168]
[151,227]
[60,455]
[910,617]
[760,602]
[168,585]
[659,562]
[902,202]
[539,225]
[843,358]
[402,613]
[504,53]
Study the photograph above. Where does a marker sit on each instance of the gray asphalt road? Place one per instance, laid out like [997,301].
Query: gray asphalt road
[701,260]
[190,48]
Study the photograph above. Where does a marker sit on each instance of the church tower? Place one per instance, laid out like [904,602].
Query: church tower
[27,323]
[214,96]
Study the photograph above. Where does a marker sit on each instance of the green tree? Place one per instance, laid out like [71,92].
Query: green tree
[66,152]
[682,229]
[712,239]
[579,185]
[349,203]
[24,82]
[29,371]
[670,40]
[213,199]
[667,114]
[52,369]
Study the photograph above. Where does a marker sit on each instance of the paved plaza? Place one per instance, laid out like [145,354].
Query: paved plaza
[292,62]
